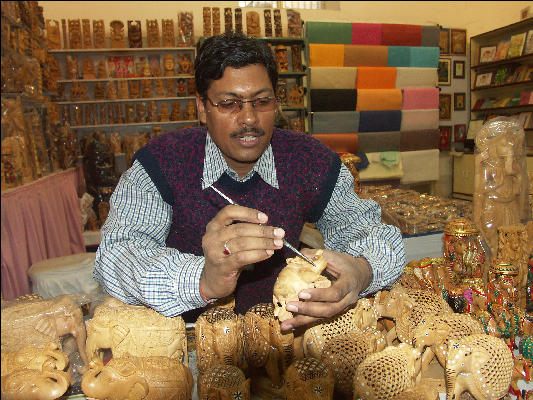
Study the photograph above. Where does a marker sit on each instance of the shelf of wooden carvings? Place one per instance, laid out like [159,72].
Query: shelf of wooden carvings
[121,50]
[137,124]
[140,78]
[125,100]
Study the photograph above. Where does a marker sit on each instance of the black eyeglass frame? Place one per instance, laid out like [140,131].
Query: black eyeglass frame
[241,103]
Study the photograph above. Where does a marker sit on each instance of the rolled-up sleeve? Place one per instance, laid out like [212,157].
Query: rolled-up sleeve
[353,225]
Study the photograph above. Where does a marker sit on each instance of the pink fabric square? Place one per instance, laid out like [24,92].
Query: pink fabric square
[366,33]
[420,98]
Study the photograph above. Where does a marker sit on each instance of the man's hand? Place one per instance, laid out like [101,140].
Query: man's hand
[351,276]
[247,240]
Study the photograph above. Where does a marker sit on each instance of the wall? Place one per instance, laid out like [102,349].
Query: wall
[476,16]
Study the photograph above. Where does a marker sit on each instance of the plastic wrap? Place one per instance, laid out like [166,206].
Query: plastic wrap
[500,179]
[185,29]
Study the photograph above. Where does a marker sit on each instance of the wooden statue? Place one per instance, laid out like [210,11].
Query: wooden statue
[163,114]
[295,97]
[65,34]
[119,115]
[152,33]
[130,377]
[72,68]
[170,88]
[167,27]
[296,56]
[175,115]
[308,378]
[135,89]
[268,22]
[147,88]
[190,111]
[78,91]
[52,34]
[168,65]
[98,33]
[387,373]
[152,115]
[294,23]
[87,39]
[115,143]
[479,364]
[228,19]
[277,23]
[140,112]
[87,68]
[499,185]
[282,58]
[39,322]
[181,90]
[191,86]
[238,20]
[101,70]
[111,91]
[223,382]
[130,113]
[159,87]
[34,357]
[118,40]
[74,34]
[219,339]
[185,64]
[253,27]
[24,384]
[135,330]
[207,21]
[297,275]
[216,20]
[185,29]
[135,38]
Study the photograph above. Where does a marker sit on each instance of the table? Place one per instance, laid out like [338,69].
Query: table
[40,220]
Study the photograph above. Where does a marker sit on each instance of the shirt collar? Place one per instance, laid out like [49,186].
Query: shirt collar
[215,165]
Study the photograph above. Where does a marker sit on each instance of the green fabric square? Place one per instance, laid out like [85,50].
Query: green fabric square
[399,56]
[329,32]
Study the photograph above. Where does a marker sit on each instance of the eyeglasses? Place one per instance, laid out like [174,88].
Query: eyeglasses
[232,106]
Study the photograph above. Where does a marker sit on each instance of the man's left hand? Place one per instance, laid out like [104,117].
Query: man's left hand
[351,276]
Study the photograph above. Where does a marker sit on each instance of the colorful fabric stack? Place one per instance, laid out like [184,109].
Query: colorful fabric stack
[378,81]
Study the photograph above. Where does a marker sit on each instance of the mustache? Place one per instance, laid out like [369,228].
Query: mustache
[248,129]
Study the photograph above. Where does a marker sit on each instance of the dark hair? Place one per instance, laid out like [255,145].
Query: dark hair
[231,49]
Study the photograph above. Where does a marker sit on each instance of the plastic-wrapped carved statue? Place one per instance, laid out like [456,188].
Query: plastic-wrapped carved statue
[296,276]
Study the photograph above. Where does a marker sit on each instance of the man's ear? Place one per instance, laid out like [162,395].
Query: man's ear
[201,109]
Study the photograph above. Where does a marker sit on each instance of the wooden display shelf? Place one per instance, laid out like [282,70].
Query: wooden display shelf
[190,121]
[504,85]
[124,79]
[122,50]
[513,60]
[126,100]
[502,108]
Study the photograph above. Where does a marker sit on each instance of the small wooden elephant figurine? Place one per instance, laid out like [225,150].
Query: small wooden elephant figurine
[435,331]
[223,382]
[387,373]
[297,275]
[34,384]
[309,379]
[479,364]
[129,377]
[34,357]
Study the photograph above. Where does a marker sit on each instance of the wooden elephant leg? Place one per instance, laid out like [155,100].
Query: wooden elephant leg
[427,357]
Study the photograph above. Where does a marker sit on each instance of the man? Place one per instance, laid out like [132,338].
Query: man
[171,242]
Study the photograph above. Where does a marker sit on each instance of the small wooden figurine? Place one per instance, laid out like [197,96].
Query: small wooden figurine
[163,115]
[52,34]
[130,113]
[170,88]
[123,92]
[152,33]
[223,382]
[159,87]
[168,65]
[98,33]
[135,89]
[296,55]
[175,115]
[216,20]
[268,23]
[74,34]
[294,23]
[185,29]
[87,39]
[190,111]
[111,91]
[308,378]
[118,40]
[253,28]
[72,68]
[87,68]
[167,26]
[152,115]
[135,39]
[277,23]
[147,88]
[185,65]
[282,58]
[228,19]
[238,20]
[207,21]
[181,90]
[191,86]
[65,34]
[101,70]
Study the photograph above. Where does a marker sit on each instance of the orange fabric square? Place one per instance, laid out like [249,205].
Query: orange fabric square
[326,55]
[379,99]
[376,78]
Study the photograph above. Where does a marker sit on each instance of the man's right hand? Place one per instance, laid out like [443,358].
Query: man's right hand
[249,241]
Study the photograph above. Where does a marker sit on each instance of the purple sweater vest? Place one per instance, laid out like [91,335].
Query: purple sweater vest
[306,170]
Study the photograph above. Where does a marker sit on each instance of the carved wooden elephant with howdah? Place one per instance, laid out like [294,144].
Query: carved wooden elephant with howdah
[435,331]
[135,330]
[138,378]
[387,373]
[479,364]
[39,322]
[33,384]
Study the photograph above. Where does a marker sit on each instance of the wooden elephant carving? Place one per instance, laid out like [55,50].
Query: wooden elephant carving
[264,344]
[219,339]
[34,357]
[479,364]
[387,373]
[309,379]
[146,378]
[39,322]
[297,275]
[135,330]
[435,331]
[33,384]
[223,382]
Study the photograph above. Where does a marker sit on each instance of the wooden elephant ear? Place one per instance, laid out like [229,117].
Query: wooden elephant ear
[205,352]
[118,333]
[256,333]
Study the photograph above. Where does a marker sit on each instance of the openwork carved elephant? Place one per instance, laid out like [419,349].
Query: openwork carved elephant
[435,331]
[39,322]
[264,344]
[387,373]
[219,339]
[32,384]
[309,379]
[223,382]
[138,378]
[135,330]
[479,364]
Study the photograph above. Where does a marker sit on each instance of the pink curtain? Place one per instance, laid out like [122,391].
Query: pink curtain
[40,220]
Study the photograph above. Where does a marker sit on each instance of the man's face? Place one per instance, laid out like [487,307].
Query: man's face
[242,136]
